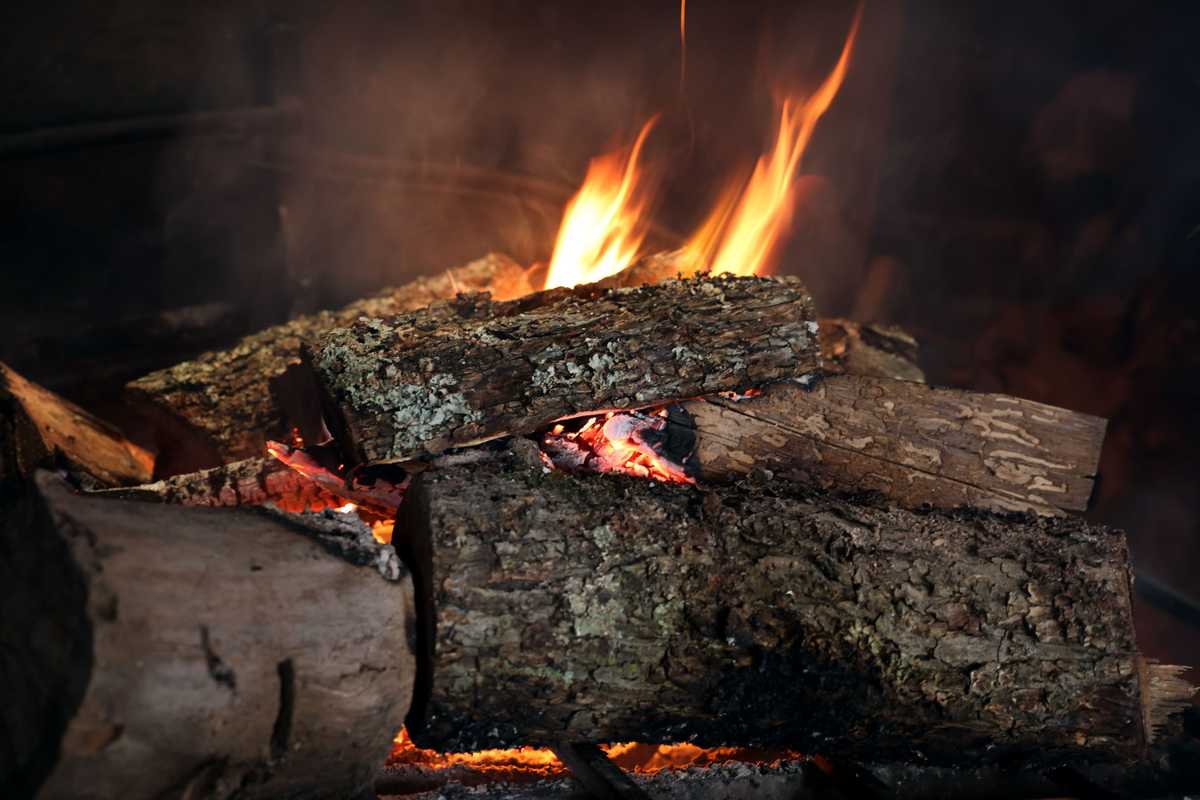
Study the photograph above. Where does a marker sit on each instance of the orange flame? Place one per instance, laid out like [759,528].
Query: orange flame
[616,443]
[540,761]
[604,223]
[743,231]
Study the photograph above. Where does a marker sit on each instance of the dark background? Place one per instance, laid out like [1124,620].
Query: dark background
[1017,183]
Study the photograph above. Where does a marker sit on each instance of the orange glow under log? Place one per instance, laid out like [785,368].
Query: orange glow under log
[541,762]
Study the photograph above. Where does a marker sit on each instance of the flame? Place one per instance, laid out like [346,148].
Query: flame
[744,229]
[541,761]
[347,508]
[604,223]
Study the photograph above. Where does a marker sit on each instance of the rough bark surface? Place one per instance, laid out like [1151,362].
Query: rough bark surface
[915,444]
[609,608]
[223,399]
[465,372]
[159,651]
[253,482]
[40,429]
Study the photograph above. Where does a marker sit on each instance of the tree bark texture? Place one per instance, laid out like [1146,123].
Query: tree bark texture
[153,651]
[40,429]
[253,482]
[222,402]
[608,608]
[465,372]
[915,444]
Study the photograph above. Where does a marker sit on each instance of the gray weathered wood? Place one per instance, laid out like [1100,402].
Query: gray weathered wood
[916,444]
[468,371]
[608,608]
[158,651]
[223,400]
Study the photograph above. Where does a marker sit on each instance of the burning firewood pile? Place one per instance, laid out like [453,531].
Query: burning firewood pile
[670,508]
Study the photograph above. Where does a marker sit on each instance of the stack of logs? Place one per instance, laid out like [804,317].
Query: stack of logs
[858,563]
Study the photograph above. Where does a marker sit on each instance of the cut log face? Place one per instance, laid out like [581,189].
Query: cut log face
[213,652]
[37,427]
[609,608]
[223,399]
[473,370]
[915,444]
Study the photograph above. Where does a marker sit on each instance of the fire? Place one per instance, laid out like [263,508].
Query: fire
[604,223]
[743,231]
[541,762]
[628,441]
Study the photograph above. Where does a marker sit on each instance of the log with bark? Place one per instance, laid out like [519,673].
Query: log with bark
[471,370]
[608,608]
[40,429]
[253,482]
[915,444]
[221,406]
[154,651]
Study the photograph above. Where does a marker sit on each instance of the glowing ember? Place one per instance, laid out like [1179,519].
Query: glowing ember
[604,223]
[628,441]
[381,495]
[541,762]
[743,231]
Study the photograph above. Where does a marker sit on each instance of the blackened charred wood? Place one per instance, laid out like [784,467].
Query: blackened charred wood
[469,371]
[39,429]
[607,608]
[154,651]
[221,405]
[593,769]
[913,443]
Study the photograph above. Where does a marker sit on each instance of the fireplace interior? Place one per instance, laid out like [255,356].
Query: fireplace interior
[560,399]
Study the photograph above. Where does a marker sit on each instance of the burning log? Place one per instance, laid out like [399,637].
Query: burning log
[152,651]
[40,429]
[915,444]
[222,404]
[468,371]
[253,482]
[608,608]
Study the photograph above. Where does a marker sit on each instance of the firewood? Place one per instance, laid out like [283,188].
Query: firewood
[881,351]
[253,482]
[40,429]
[159,651]
[220,407]
[464,372]
[913,443]
[608,608]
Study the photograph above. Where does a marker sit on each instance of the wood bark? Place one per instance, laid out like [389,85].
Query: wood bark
[461,373]
[221,406]
[253,482]
[608,608]
[880,351]
[915,444]
[40,429]
[152,651]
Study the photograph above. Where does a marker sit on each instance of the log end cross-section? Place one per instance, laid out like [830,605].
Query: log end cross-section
[472,370]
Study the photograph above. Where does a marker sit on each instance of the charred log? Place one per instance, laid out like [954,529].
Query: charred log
[221,405]
[40,429]
[879,351]
[913,443]
[465,372]
[612,609]
[153,651]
